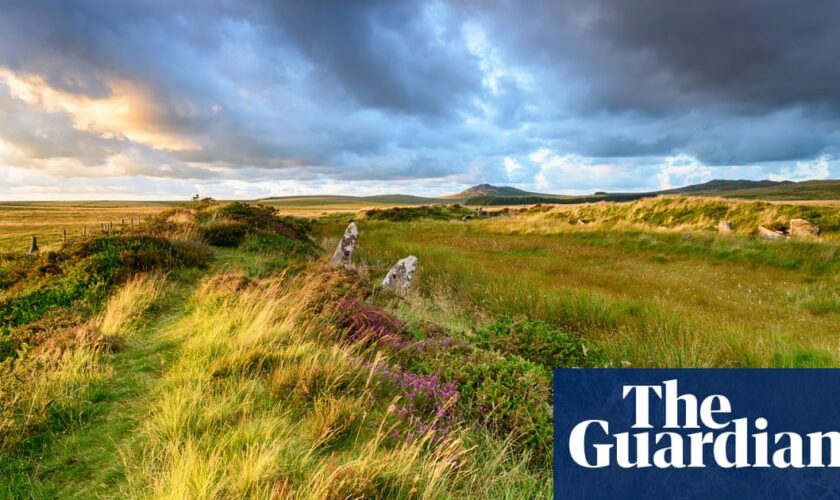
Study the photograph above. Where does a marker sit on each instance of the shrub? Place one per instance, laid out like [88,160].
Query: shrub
[509,395]
[265,242]
[538,342]
[254,217]
[365,322]
[399,214]
[224,233]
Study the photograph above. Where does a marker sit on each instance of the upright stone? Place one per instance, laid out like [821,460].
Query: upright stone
[801,228]
[724,227]
[344,250]
[769,234]
[33,247]
[401,276]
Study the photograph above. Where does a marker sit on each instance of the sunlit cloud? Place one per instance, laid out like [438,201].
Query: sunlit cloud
[130,112]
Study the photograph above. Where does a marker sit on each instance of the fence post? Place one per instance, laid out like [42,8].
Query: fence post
[84,231]
[64,235]
[33,247]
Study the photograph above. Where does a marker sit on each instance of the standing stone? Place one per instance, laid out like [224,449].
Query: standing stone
[801,228]
[33,247]
[400,277]
[344,251]
[724,227]
[769,234]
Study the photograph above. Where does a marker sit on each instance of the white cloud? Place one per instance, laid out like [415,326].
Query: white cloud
[571,172]
[682,170]
[512,166]
[804,170]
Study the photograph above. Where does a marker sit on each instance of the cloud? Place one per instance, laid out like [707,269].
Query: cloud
[379,95]
[127,112]
[682,170]
[804,171]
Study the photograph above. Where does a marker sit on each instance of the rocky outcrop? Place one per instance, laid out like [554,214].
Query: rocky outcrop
[724,227]
[801,228]
[769,234]
[401,276]
[344,250]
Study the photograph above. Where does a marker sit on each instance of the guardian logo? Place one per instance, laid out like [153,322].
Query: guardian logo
[697,433]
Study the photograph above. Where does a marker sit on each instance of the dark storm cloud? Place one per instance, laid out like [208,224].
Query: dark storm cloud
[652,55]
[383,90]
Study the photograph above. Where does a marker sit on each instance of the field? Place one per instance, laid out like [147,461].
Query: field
[211,351]
[651,299]
[47,220]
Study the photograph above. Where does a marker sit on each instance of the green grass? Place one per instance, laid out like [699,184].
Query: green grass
[86,459]
[270,374]
[660,299]
[245,386]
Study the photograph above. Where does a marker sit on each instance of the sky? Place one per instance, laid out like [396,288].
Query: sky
[163,99]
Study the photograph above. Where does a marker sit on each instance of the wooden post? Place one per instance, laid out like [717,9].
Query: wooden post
[122,221]
[33,247]
[84,231]
[64,235]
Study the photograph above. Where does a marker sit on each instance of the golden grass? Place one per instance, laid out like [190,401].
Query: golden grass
[654,298]
[20,221]
[128,305]
[260,403]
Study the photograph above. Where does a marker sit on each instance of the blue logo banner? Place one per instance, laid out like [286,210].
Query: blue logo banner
[696,433]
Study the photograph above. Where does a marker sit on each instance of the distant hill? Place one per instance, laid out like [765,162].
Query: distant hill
[766,190]
[743,189]
[339,202]
[489,190]
[486,194]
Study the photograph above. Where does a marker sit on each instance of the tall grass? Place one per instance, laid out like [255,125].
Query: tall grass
[55,384]
[682,213]
[651,298]
[264,401]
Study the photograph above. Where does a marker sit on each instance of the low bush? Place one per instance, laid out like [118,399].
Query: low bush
[402,214]
[224,233]
[538,342]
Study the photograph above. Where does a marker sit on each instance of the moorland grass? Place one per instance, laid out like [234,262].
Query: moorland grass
[248,386]
[652,297]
